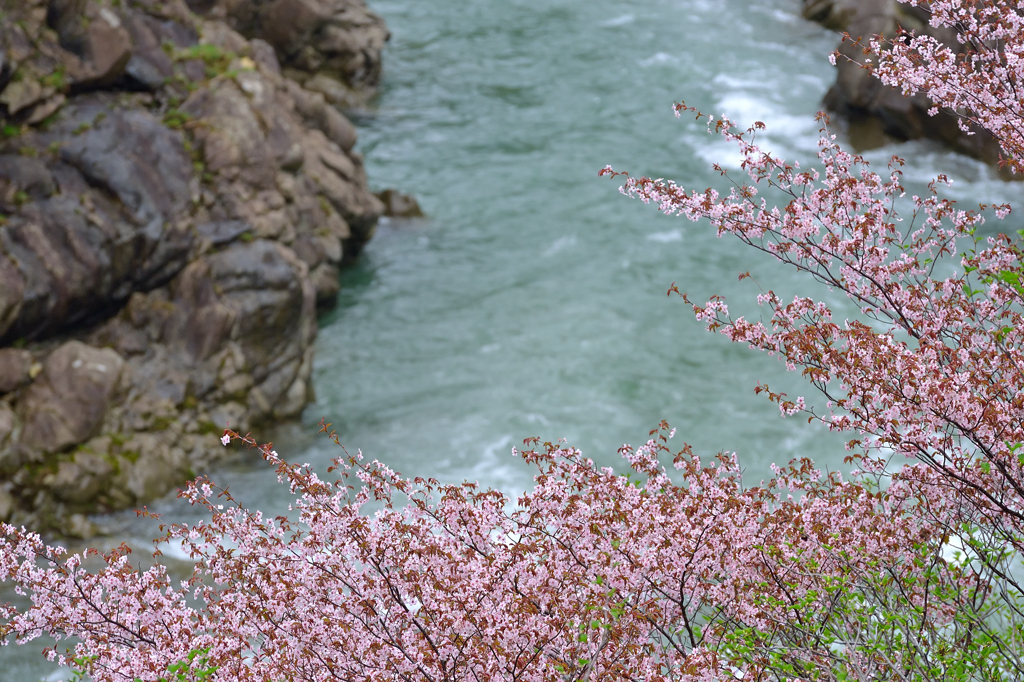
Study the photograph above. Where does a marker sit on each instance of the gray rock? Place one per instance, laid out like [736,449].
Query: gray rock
[108,49]
[231,138]
[359,209]
[339,40]
[271,297]
[315,110]
[21,94]
[179,209]
[82,479]
[24,178]
[325,282]
[78,526]
[12,293]
[67,402]
[150,466]
[65,17]
[66,257]
[6,505]
[201,322]
[135,157]
[150,65]
[220,232]
[263,54]
[15,365]
[6,426]
[398,205]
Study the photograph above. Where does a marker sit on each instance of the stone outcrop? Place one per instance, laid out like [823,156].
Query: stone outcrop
[177,194]
[876,112]
[331,47]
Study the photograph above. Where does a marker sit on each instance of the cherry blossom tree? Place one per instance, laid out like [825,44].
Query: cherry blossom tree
[591,575]
[906,569]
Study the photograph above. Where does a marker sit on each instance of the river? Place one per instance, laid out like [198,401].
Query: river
[532,300]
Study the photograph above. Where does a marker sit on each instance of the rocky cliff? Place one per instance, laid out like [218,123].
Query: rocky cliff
[178,190]
[878,113]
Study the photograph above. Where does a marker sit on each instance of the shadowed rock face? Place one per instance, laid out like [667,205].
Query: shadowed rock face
[108,215]
[174,210]
[875,111]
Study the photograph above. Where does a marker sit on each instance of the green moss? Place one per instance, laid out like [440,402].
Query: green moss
[325,205]
[166,307]
[20,197]
[82,127]
[189,403]
[246,237]
[57,79]
[29,151]
[131,455]
[205,428]
[114,462]
[210,54]
[48,121]
[162,423]
[217,61]
[118,439]
[175,118]
[11,131]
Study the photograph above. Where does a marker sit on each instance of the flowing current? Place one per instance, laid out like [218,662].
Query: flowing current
[531,301]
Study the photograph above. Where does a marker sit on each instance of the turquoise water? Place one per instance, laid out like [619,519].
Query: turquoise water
[532,300]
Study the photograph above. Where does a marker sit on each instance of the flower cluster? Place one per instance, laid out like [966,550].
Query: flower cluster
[590,575]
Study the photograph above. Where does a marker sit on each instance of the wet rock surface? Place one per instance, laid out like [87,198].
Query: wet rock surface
[176,198]
[398,205]
[876,113]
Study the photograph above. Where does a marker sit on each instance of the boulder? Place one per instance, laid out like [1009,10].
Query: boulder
[150,64]
[878,113]
[15,367]
[108,49]
[81,478]
[232,141]
[398,205]
[67,403]
[21,94]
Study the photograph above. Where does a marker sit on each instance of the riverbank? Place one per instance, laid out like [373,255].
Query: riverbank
[178,192]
